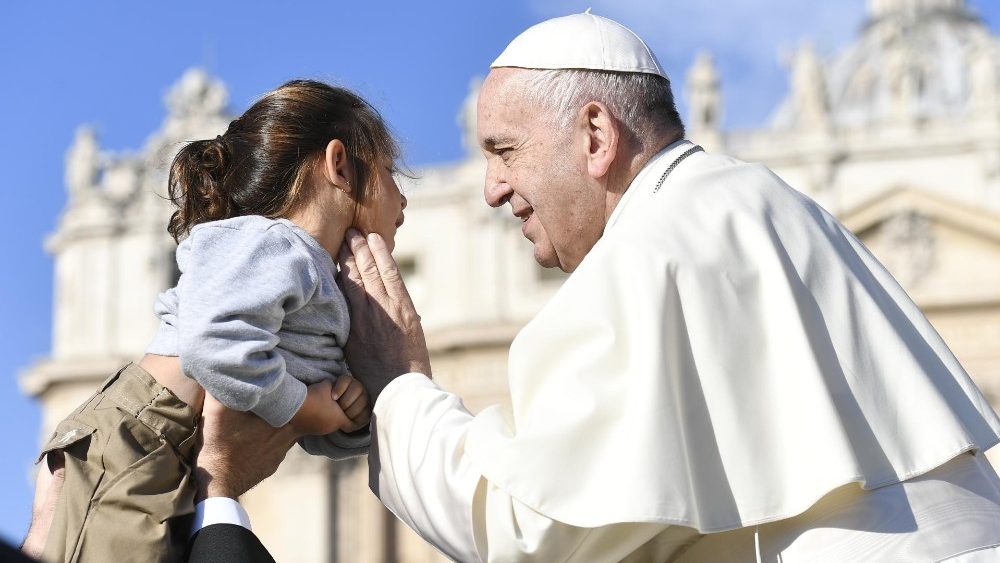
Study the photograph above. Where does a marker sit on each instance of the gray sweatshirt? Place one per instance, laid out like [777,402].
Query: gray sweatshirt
[256,316]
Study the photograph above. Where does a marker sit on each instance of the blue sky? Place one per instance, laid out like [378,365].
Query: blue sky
[108,64]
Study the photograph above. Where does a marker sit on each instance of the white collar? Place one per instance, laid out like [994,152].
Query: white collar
[655,166]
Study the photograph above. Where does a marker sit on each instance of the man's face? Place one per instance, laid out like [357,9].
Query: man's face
[540,169]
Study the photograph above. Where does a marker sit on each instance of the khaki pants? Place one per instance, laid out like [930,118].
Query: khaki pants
[128,494]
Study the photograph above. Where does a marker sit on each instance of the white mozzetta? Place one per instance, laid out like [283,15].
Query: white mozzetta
[725,355]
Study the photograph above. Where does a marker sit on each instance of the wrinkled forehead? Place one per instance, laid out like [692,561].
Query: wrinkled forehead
[502,81]
[503,108]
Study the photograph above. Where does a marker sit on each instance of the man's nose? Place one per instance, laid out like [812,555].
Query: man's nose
[404,202]
[497,193]
[496,190]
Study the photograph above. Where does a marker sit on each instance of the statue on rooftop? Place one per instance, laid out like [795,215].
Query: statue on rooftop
[983,79]
[197,94]
[704,96]
[467,117]
[82,162]
[903,80]
[809,89]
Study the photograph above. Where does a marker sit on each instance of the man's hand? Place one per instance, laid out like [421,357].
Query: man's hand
[238,450]
[387,339]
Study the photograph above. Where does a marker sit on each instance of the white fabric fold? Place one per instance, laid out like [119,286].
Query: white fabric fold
[422,473]
[726,355]
[418,467]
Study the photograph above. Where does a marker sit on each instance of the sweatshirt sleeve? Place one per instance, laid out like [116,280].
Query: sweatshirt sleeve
[165,341]
[236,288]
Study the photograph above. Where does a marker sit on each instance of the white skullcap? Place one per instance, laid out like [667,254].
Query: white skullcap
[580,41]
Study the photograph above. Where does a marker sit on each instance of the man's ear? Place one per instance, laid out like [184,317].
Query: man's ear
[603,133]
[337,167]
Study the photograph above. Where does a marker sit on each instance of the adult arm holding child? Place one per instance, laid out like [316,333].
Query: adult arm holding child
[419,465]
[224,472]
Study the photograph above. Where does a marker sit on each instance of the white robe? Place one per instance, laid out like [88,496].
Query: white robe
[724,357]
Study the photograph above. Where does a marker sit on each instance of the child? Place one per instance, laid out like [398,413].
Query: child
[256,319]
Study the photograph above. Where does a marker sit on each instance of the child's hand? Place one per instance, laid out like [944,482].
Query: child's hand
[320,414]
[353,400]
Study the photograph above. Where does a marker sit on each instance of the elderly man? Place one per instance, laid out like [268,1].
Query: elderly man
[728,375]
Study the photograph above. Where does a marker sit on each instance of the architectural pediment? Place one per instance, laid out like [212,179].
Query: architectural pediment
[945,253]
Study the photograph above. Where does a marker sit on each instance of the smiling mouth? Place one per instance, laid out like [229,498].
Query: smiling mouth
[525,216]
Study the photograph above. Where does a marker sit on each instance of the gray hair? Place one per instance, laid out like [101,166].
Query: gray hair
[642,102]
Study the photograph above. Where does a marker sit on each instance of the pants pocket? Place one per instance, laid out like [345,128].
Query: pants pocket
[83,473]
[143,510]
[69,433]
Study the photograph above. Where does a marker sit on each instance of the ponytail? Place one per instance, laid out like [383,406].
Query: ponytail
[196,185]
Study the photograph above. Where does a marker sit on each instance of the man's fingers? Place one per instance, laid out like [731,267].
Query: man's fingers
[388,270]
[217,413]
[211,405]
[366,264]
[351,282]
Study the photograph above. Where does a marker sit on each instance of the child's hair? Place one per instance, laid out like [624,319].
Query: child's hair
[258,166]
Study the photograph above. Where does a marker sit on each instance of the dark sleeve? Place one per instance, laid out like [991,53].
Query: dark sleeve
[224,543]
[11,554]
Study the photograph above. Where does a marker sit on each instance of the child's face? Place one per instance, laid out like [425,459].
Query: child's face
[383,213]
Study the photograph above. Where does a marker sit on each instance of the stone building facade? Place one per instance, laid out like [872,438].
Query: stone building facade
[898,134]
